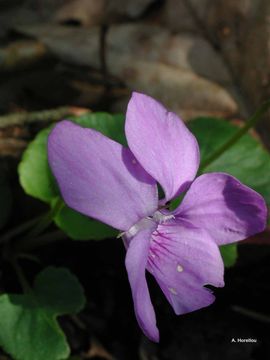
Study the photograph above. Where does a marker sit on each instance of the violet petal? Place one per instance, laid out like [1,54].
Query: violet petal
[136,260]
[222,205]
[99,177]
[183,259]
[162,144]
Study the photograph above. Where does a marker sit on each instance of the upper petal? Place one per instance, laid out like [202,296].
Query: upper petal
[136,260]
[227,209]
[99,177]
[183,259]
[162,143]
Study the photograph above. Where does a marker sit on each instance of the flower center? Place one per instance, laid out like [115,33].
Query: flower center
[158,217]
[161,218]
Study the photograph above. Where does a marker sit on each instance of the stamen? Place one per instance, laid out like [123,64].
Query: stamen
[161,218]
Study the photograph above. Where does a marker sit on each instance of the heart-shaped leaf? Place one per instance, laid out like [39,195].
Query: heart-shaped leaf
[28,326]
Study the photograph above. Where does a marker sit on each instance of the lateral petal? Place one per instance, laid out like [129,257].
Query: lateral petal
[183,259]
[136,260]
[99,177]
[222,205]
[162,144]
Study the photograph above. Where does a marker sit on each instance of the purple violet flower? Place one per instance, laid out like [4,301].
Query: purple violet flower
[116,185]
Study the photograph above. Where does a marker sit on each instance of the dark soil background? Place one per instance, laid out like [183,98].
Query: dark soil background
[90,55]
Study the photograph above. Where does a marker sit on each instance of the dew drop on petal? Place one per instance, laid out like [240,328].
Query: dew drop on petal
[180,268]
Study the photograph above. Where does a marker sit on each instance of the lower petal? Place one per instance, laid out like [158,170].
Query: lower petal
[183,259]
[192,300]
[136,260]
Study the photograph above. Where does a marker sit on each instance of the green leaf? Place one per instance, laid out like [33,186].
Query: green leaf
[80,227]
[110,125]
[28,326]
[229,254]
[247,160]
[34,172]
[6,200]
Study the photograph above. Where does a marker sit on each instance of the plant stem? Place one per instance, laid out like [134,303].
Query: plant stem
[249,124]
[19,229]
[44,222]
[42,240]
[22,279]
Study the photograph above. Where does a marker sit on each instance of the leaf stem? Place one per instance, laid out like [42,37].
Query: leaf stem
[19,229]
[249,124]
[22,279]
[44,222]
[39,241]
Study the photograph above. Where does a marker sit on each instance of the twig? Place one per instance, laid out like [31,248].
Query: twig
[39,116]
[20,54]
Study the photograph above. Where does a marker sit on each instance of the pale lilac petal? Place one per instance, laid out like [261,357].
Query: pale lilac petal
[187,299]
[222,205]
[136,260]
[183,259]
[99,177]
[162,144]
